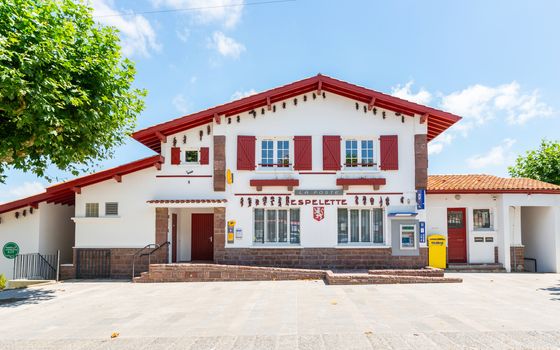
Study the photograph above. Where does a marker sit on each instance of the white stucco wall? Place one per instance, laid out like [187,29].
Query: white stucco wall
[24,231]
[539,238]
[56,230]
[477,252]
[335,115]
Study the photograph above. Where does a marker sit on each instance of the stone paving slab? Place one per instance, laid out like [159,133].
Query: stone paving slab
[352,341]
[486,311]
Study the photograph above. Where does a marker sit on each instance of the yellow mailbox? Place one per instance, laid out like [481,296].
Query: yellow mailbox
[437,251]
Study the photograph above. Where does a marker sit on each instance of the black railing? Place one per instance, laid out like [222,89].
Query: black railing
[142,252]
[35,266]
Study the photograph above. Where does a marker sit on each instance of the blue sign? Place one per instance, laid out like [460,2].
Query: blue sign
[420,197]
[422,232]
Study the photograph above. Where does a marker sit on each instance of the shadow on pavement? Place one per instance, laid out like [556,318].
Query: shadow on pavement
[554,292]
[16,297]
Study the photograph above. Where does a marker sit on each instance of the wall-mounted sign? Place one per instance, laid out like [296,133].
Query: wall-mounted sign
[318,213]
[318,202]
[422,232]
[489,239]
[10,250]
[420,199]
[238,233]
[479,239]
[335,192]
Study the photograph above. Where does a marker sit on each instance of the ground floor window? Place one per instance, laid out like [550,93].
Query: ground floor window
[277,226]
[360,226]
[481,219]
[408,236]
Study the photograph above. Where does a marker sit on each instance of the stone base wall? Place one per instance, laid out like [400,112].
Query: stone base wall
[322,258]
[214,272]
[121,260]
[350,279]
[496,256]
[517,255]
[67,272]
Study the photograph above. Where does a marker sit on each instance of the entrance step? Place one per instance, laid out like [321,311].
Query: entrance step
[454,267]
[368,278]
[200,272]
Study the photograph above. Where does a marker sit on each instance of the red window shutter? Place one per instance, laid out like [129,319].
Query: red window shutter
[246,152]
[175,155]
[302,153]
[389,152]
[331,152]
[204,152]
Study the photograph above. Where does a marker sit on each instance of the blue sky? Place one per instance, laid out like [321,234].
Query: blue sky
[493,62]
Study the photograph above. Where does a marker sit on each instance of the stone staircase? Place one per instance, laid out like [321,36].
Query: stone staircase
[196,272]
[493,268]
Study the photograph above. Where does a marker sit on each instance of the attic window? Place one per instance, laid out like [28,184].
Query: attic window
[92,210]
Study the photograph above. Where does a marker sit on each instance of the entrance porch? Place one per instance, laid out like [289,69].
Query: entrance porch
[194,228]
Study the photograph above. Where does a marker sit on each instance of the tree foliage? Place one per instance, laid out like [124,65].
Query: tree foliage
[542,164]
[66,95]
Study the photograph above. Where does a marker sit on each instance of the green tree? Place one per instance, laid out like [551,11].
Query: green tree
[542,164]
[66,95]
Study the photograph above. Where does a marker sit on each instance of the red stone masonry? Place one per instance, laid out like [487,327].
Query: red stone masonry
[517,255]
[320,258]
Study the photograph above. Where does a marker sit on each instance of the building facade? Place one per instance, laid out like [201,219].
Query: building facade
[318,174]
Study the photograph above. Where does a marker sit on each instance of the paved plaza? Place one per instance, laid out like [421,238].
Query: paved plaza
[486,311]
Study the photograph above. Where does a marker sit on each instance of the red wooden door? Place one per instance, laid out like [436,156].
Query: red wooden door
[456,235]
[202,232]
[174,238]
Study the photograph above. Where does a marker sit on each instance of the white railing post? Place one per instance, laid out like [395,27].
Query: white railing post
[57,265]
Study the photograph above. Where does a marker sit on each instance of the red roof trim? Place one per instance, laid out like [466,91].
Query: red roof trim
[64,193]
[451,191]
[438,121]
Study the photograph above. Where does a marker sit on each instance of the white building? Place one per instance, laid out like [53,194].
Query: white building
[318,173]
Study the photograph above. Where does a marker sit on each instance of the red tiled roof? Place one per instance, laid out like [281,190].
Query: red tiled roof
[438,121]
[187,201]
[64,193]
[480,183]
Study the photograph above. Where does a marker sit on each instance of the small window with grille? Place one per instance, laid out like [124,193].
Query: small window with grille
[111,208]
[92,210]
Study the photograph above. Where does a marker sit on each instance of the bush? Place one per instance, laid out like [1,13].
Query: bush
[3,281]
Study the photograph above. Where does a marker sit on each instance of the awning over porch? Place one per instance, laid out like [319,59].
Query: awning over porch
[187,203]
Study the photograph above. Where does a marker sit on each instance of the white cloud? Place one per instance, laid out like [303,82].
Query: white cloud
[240,94]
[405,92]
[180,103]
[183,34]
[24,190]
[226,46]
[497,156]
[437,144]
[226,12]
[136,32]
[478,104]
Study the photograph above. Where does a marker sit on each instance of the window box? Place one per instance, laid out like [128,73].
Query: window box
[259,184]
[375,182]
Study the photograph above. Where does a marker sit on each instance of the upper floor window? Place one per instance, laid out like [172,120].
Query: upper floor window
[92,210]
[111,208]
[191,156]
[275,153]
[359,153]
[482,219]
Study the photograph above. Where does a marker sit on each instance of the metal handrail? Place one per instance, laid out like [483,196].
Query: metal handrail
[155,247]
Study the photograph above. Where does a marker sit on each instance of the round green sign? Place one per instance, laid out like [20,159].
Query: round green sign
[10,250]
